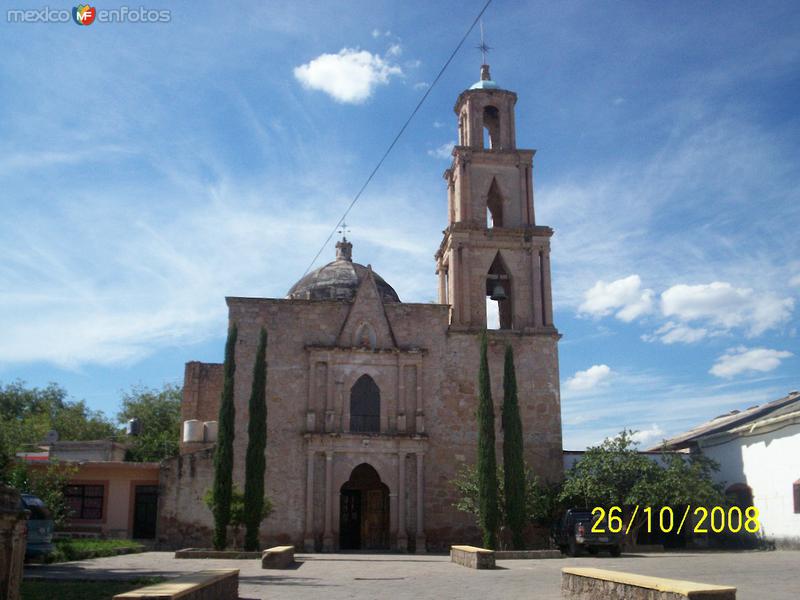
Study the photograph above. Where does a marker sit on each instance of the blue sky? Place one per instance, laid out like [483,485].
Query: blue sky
[149,170]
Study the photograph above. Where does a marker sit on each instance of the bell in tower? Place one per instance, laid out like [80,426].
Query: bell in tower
[493,251]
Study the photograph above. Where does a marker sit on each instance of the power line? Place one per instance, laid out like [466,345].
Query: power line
[397,137]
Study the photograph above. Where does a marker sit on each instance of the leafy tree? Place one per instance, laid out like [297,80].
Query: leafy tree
[616,474]
[28,413]
[223,455]
[238,512]
[256,445]
[159,414]
[540,506]
[513,461]
[47,482]
[487,461]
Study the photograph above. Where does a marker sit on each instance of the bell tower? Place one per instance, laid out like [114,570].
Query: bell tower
[493,251]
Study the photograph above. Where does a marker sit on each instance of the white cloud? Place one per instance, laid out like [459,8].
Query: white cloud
[590,378]
[349,76]
[671,333]
[795,281]
[741,360]
[421,85]
[645,436]
[623,297]
[726,307]
[395,50]
[445,151]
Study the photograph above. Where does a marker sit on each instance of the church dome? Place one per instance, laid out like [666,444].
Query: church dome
[485,82]
[339,280]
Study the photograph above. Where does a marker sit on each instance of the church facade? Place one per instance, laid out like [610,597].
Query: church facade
[371,401]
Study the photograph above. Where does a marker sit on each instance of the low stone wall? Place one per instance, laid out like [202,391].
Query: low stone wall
[12,543]
[209,553]
[279,557]
[213,584]
[472,557]
[601,584]
[526,554]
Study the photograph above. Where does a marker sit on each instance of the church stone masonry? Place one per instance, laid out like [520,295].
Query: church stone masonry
[371,401]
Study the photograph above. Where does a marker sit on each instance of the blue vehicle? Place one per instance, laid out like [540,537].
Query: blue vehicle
[40,527]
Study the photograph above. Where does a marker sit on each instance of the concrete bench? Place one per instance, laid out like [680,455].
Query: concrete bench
[213,584]
[600,584]
[472,557]
[279,557]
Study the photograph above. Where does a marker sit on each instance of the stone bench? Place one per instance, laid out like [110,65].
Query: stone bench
[213,584]
[472,557]
[279,557]
[600,584]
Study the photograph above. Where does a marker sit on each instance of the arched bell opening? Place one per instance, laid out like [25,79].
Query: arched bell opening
[491,126]
[499,313]
[494,206]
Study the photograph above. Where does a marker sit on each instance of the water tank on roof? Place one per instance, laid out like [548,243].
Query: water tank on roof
[210,429]
[134,427]
[192,431]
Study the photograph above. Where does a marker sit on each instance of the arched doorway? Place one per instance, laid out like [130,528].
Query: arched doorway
[739,494]
[364,511]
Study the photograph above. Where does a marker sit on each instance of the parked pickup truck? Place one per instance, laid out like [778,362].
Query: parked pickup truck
[573,534]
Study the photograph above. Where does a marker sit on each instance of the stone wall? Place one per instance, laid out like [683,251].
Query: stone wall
[183,518]
[12,543]
[202,388]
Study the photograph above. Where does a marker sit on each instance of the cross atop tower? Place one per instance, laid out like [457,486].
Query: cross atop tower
[344,249]
[344,231]
[484,48]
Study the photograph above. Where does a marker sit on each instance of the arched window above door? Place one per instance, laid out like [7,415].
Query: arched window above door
[365,406]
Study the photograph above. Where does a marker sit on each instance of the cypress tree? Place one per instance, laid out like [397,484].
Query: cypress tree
[487,461]
[223,455]
[513,461]
[256,445]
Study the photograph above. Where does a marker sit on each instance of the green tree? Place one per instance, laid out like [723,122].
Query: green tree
[616,474]
[28,413]
[47,482]
[238,512]
[487,461]
[223,454]
[541,504]
[256,446]
[513,460]
[159,414]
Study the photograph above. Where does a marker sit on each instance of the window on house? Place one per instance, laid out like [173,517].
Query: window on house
[84,501]
[796,489]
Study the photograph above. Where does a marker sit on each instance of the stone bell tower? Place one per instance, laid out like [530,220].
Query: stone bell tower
[492,248]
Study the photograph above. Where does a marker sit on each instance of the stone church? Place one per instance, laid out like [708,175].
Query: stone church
[371,401]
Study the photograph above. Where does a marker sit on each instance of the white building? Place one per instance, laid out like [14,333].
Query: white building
[758,450]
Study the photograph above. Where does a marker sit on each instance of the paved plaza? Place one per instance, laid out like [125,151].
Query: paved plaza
[757,575]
